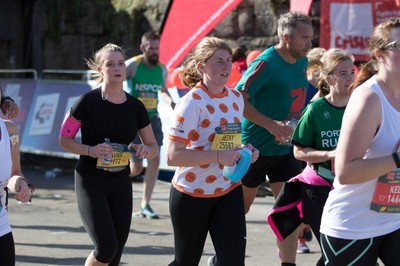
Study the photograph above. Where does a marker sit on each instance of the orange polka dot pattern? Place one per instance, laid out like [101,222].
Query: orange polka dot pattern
[201,113]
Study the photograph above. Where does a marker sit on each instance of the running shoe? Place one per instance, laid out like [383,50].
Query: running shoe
[148,212]
[302,248]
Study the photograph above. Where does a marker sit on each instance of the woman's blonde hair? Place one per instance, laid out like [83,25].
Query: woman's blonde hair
[314,57]
[315,64]
[201,53]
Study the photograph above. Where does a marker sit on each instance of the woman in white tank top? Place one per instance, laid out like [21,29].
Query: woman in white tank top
[9,178]
[361,218]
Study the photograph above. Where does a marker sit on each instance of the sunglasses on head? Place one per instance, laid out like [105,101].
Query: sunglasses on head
[394,45]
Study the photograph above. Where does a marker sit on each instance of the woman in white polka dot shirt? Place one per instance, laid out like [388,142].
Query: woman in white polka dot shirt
[204,138]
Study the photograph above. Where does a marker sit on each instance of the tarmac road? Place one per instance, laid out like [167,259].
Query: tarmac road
[50,232]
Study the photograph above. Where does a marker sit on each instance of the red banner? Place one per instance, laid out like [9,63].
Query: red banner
[347,24]
[301,5]
[187,23]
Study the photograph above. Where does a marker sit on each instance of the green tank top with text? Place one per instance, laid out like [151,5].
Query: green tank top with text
[145,85]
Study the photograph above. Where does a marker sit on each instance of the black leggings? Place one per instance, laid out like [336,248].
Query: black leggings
[7,250]
[313,200]
[363,252]
[105,207]
[223,217]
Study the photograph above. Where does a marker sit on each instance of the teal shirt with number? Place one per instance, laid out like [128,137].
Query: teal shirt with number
[278,90]
[319,127]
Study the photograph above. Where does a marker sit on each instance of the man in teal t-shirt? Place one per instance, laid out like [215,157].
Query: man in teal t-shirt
[146,77]
[274,88]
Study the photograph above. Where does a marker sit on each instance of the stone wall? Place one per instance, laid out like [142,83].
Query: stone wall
[59,34]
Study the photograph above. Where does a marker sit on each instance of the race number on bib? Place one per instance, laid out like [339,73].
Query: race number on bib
[387,193]
[120,159]
[149,103]
[226,141]
[228,136]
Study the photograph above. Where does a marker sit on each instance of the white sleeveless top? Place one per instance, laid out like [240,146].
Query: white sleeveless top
[5,174]
[347,213]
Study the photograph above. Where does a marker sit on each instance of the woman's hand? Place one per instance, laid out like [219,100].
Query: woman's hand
[100,150]
[228,157]
[23,190]
[141,150]
[281,131]
[254,152]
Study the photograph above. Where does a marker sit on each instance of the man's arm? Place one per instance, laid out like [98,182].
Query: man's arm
[276,128]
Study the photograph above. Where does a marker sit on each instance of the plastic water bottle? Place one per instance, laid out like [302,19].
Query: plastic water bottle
[292,124]
[107,158]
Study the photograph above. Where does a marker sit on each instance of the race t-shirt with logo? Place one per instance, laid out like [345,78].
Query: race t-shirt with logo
[205,121]
[117,122]
[146,83]
[278,90]
[319,128]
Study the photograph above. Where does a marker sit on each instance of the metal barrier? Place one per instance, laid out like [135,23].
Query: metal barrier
[17,73]
[72,75]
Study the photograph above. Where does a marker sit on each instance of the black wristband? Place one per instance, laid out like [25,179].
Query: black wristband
[396,159]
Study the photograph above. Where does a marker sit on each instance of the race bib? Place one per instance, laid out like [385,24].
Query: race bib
[119,161]
[227,137]
[387,193]
[149,103]
[226,141]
